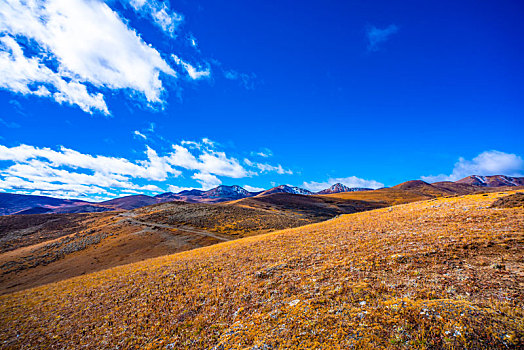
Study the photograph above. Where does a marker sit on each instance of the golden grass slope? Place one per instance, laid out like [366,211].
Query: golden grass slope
[446,273]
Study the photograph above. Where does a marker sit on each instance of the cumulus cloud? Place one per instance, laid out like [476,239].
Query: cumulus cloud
[376,36]
[75,51]
[68,173]
[73,174]
[207,180]
[351,181]
[176,189]
[486,163]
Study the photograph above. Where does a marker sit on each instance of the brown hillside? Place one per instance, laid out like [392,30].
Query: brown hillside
[440,274]
[315,208]
[39,249]
[385,196]
[423,188]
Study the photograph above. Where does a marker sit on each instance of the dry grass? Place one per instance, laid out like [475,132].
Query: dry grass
[446,273]
[388,196]
[231,220]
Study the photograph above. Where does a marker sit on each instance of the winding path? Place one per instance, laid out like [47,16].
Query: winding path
[203,233]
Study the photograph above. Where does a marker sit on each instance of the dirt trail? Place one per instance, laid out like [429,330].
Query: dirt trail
[203,233]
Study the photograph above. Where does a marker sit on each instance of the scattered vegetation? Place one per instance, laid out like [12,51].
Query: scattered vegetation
[18,231]
[447,273]
[232,220]
[313,208]
[512,201]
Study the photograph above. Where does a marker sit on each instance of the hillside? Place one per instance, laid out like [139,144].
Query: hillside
[313,207]
[422,188]
[444,273]
[384,196]
[11,203]
[38,249]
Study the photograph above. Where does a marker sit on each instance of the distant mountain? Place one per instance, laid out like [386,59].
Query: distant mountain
[227,192]
[422,188]
[286,189]
[218,194]
[133,202]
[11,203]
[492,181]
[28,204]
[338,188]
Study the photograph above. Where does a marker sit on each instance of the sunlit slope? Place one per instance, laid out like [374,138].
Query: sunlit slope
[445,273]
[387,196]
[39,249]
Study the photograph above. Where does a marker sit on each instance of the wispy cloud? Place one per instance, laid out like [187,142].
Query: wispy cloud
[351,181]
[75,51]
[265,168]
[139,134]
[377,36]
[159,13]
[194,73]
[264,152]
[486,163]
[8,124]
[247,81]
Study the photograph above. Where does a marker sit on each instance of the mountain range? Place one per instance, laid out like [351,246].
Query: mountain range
[11,203]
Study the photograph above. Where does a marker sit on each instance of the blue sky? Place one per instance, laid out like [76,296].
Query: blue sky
[106,98]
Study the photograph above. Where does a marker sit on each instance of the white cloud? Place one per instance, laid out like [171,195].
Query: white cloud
[486,163]
[377,36]
[253,189]
[194,73]
[176,189]
[69,173]
[74,51]
[208,162]
[207,180]
[351,181]
[23,75]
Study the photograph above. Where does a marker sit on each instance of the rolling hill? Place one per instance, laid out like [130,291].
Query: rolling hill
[316,208]
[11,203]
[38,249]
[446,273]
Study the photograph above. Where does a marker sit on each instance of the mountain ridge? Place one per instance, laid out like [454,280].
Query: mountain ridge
[12,203]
